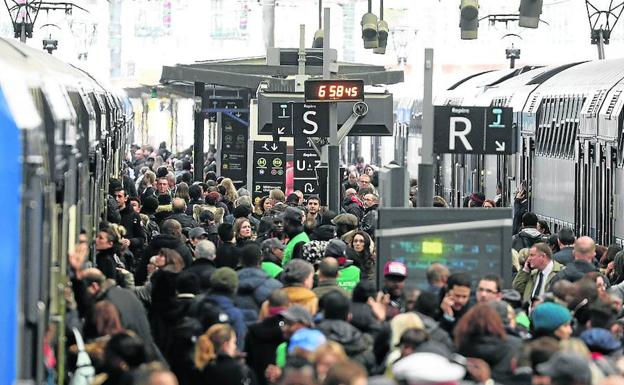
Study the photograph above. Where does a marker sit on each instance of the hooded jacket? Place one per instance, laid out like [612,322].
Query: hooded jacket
[357,345]
[527,237]
[254,287]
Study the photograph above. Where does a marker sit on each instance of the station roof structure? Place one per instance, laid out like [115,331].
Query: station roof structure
[252,71]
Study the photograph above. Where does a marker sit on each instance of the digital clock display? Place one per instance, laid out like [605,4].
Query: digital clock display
[334,90]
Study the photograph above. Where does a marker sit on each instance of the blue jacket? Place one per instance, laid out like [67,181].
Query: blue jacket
[254,287]
[235,315]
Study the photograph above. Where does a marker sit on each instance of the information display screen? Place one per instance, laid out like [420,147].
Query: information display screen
[334,90]
[474,241]
[476,252]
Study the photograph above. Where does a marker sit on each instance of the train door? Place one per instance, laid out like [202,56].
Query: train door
[584,186]
[604,197]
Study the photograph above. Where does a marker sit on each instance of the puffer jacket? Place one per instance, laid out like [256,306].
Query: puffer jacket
[235,315]
[254,287]
[357,345]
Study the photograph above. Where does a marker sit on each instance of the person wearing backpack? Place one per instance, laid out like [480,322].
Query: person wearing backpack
[254,285]
[224,285]
[529,235]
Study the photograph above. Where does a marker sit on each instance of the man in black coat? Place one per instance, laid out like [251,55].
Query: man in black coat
[584,254]
[179,207]
[263,338]
[131,221]
[566,239]
[170,237]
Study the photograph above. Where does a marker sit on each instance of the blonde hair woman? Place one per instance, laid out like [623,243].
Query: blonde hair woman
[216,358]
[230,191]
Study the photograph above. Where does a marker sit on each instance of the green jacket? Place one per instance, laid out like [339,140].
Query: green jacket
[349,277]
[271,268]
[290,246]
[525,282]
[327,286]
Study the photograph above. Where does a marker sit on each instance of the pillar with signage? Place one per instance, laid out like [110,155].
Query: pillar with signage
[234,140]
[268,168]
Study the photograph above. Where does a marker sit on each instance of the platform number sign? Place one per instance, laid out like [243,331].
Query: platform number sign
[474,130]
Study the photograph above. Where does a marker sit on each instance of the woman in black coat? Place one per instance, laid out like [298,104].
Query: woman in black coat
[216,359]
[363,257]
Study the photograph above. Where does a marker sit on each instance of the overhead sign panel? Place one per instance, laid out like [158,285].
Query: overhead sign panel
[269,168]
[474,130]
[300,119]
[379,121]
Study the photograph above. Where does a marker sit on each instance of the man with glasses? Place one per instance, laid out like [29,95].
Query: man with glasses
[489,288]
[538,272]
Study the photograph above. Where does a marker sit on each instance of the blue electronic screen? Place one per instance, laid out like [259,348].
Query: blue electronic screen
[476,252]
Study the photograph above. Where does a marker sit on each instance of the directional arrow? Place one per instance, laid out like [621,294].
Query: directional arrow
[274,147]
[266,147]
[281,130]
[308,188]
[500,146]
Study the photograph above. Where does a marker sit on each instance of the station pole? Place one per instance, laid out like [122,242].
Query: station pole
[333,150]
[425,168]
[198,134]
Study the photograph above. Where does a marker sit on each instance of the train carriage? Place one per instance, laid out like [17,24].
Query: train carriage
[58,124]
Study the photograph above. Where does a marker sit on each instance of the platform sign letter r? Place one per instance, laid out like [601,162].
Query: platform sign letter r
[455,133]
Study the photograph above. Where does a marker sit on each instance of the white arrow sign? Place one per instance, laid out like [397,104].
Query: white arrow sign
[500,146]
[308,188]
[266,147]
[281,130]
[274,147]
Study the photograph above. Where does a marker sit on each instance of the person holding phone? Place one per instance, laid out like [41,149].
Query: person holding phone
[536,276]
[521,206]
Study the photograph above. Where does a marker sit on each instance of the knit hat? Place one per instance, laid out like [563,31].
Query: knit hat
[549,316]
[224,279]
[345,219]
[306,339]
[149,204]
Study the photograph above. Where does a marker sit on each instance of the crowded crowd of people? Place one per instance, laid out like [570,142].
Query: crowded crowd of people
[190,282]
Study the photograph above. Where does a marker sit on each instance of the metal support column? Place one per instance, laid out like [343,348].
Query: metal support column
[198,135]
[333,150]
[425,168]
[268,18]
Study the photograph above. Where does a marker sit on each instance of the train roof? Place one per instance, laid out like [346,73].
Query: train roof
[585,76]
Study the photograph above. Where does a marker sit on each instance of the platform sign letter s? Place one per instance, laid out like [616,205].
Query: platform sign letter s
[455,133]
[312,123]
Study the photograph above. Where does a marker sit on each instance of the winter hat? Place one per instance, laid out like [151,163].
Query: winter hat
[549,316]
[600,340]
[164,199]
[149,205]
[306,339]
[224,279]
